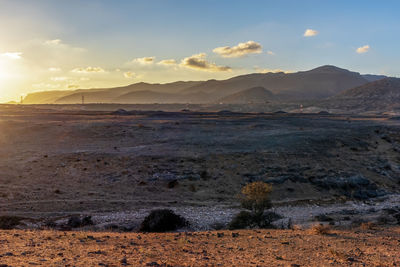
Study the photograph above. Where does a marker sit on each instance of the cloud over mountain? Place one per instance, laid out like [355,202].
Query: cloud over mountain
[144,60]
[88,70]
[129,74]
[199,62]
[167,62]
[240,50]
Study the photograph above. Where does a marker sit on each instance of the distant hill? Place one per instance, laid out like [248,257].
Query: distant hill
[381,95]
[372,78]
[387,89]
[45,97]
[318,83]
[254,95]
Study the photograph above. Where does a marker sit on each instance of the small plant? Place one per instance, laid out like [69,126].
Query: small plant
[255,198]
[162,220]
[368,226]
[321,229]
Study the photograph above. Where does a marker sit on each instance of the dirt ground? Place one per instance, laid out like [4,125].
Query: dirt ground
[356,247]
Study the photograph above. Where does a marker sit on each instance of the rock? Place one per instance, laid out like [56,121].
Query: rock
[124,261]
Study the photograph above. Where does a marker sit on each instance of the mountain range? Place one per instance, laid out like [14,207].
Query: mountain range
[319,83]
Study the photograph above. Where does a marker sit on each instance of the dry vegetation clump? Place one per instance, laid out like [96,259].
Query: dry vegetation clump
[368,226]
[9,222]
[321,229]
[255,198]
[339,255]
[162,220]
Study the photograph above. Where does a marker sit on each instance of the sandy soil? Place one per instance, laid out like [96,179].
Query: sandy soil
[355,247]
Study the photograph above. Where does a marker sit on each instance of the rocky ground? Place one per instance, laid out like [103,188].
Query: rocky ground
[354,247]
[56,162]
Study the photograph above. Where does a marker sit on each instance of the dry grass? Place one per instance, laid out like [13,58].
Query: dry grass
[368,226]
[321,229]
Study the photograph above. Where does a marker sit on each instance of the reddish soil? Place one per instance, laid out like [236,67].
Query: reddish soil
[379,247]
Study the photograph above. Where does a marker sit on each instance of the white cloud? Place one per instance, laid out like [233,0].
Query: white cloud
[261,70]
[58,79]
[129,74]
[167,62]
[310,32]
[144,60]
[199,62]
[270,53]
[53,69]
[45,86]
[363,49]
[12,55]
[239,50]
[53,42]
[88,70]
[72,86]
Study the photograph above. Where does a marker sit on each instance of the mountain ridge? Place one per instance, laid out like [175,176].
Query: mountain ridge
[318,83]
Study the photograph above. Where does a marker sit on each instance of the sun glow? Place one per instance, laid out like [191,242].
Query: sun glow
[3,73]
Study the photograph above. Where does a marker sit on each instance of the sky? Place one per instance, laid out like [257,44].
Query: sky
[65,45]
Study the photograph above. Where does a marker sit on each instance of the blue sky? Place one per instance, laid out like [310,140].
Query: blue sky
[47,45]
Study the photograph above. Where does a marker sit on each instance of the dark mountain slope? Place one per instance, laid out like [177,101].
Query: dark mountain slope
[256,95]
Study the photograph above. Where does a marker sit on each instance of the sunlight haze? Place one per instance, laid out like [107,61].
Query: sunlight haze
[65,45]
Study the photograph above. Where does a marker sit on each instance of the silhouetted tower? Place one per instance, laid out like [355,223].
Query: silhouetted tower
[83,99]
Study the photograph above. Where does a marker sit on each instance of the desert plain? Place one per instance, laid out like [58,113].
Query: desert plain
[116,165]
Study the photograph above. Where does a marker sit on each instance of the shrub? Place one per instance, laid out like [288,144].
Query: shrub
[75,221]
[162,220]
[9,222]
[245,219]
[321,229]
[368,226]
[255,197]
[242,220]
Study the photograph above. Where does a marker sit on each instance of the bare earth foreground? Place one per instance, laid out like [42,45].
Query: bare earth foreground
[223,248]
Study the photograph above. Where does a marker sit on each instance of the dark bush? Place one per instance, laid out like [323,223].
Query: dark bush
[162,220]
[9,222]
[75,221]
[248,220]
[173,183]
[323,218]
[242,220]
